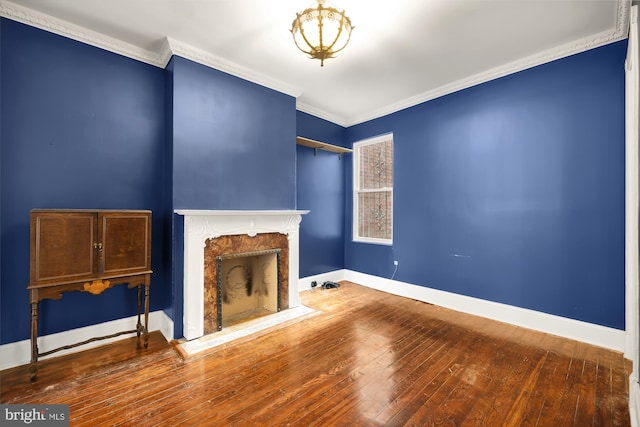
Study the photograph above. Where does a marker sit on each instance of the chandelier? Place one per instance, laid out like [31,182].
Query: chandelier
[321,31]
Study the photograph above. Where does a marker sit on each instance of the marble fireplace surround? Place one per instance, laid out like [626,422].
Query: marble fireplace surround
[200,225]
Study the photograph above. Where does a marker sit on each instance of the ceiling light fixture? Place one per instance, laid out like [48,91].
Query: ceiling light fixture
[321,31]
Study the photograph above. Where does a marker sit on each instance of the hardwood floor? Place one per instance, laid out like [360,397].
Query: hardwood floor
[365,359]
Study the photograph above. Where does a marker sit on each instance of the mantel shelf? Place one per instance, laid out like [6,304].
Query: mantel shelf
[322,146]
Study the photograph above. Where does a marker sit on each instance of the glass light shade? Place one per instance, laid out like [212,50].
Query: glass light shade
[321,32]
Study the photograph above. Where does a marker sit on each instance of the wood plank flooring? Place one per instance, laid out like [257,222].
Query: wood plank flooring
[365,359]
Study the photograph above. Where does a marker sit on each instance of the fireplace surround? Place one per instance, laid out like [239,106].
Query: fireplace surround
[244,229]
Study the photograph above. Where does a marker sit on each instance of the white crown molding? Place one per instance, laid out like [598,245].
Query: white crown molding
[205,58]
[159,59]
[310,109]
[558,52]
[63,28]
[165,54]
[174,47]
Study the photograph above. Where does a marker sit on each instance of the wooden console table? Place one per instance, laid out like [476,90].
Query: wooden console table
[88,251]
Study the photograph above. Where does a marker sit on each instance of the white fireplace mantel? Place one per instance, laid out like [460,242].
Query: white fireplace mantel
[200,225]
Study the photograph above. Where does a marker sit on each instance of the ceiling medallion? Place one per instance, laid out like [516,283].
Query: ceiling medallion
[321,31]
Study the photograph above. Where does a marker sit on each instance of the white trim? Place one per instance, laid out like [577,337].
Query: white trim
[590,333]
[60,27]
[632,199]
[371,240]
[632,76]
[318,112]
[19,353]
[244,329]
[200,56]
[304,283]
[558,52]
[159,59]
[170,47]
[230,213]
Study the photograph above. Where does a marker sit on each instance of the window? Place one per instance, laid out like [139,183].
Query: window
[373,190]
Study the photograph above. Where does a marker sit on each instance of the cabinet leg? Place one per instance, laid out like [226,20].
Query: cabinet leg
[33,367]
[139,330]
[143,330]
[146,315]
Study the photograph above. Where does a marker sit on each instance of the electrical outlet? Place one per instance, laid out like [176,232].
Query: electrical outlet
[395,262]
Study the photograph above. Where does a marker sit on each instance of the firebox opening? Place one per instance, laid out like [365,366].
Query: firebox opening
[248,286]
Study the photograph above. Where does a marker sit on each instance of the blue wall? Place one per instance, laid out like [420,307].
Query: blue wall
[510,191]
[82,128]
[320,189]
[513,190]
[168,235]
[233,142]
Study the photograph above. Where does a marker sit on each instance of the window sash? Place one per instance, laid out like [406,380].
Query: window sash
[373,190]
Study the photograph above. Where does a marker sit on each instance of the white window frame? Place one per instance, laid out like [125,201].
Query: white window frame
[356,190]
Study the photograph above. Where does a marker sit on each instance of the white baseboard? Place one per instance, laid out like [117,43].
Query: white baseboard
[19,353]
[569,328]
[304,283]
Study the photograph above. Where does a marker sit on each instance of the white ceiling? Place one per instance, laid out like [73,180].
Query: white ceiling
[401,52]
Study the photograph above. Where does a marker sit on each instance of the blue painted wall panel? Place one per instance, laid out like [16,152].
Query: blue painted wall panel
[233,142]
[82,128]
[177,279]
[320,189]
[168,232]
[513,190]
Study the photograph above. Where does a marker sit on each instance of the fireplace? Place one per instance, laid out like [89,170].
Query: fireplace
[247,286]
[243,277]
[238,265]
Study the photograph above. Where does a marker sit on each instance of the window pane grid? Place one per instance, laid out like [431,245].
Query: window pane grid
[375,215]
[376,165]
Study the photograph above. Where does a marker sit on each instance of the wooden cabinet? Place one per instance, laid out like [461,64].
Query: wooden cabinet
[89,251]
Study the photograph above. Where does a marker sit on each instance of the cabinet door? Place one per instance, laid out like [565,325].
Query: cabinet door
[126,242]
[62,246]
